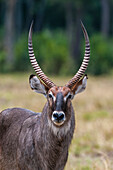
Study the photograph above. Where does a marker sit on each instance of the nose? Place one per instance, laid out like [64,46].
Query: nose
[58,116]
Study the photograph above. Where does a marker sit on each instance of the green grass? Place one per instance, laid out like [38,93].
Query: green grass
[92,145]
[90,116]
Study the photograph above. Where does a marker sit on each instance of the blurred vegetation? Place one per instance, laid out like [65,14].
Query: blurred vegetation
[57,37]
[51,49]
[101,55]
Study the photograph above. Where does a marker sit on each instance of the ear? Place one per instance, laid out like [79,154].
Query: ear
[80,86]
[37,85]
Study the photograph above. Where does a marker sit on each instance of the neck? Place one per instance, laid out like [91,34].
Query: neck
[54,141]
[61,132]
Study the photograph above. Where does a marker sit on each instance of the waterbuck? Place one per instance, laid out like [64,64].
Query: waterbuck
[40,141]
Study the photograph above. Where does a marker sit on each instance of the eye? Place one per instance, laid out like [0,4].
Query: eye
[70,96]
[50,95]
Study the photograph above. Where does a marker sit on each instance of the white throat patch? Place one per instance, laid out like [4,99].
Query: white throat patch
[61,130]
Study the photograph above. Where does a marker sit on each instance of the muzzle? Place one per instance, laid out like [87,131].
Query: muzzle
[58,117]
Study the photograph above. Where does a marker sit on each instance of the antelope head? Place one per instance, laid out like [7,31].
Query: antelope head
[59,97]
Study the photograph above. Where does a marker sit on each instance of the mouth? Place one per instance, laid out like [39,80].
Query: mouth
[58,123]
[58,118]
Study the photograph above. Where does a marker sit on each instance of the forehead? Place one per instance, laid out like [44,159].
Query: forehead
[59,89]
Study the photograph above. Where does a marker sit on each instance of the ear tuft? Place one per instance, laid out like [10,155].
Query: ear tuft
[31,76]
[86,76]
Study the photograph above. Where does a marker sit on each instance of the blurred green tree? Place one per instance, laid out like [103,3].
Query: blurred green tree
[55,16]
[105,17]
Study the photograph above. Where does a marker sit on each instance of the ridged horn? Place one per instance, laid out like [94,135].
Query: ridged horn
[34,63]
[85,62]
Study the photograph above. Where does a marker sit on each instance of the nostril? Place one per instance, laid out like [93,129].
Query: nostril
[61,116]
[55,115]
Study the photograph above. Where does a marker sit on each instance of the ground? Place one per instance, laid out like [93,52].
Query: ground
[92,145]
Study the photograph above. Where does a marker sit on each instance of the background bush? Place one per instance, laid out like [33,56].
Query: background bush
[101,61]
[52,53]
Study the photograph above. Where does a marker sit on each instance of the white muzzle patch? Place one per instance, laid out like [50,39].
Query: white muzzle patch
[58,118]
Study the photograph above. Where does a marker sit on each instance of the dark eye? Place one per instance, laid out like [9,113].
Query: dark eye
[70,96]
[50,96]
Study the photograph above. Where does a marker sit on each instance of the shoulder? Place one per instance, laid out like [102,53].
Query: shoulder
[16,115]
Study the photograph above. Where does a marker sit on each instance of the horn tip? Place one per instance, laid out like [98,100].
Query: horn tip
[84,31]
[81,22]
[82,25]
[32,23]
[30,31]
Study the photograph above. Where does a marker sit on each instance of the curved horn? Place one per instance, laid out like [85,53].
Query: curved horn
[85,62]
[34,63]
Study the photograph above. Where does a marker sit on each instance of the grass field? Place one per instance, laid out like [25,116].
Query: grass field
[92,145]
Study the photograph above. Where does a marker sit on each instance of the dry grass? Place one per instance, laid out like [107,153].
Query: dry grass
[92,145]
